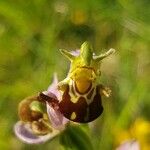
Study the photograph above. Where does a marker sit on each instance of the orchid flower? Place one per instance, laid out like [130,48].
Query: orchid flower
[39,120]
[77,99]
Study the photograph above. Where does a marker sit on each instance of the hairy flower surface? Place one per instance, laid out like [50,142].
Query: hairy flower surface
[75,99]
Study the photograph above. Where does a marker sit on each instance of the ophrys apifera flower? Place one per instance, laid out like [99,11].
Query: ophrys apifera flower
[76,99]
[39,120]
[81,91]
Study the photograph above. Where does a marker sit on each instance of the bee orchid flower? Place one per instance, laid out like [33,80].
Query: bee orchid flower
[40,120]
[75,99]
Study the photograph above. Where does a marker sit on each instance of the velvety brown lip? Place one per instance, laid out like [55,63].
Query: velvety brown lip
[67,107]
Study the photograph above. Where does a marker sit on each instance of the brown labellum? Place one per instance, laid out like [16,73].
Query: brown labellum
[81,111]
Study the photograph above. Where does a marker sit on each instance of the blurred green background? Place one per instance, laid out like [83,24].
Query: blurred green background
[31,34]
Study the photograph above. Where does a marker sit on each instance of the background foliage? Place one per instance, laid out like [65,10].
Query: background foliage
[31,32]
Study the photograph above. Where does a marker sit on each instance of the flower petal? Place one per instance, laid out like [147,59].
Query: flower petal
[129,145]
[53,87]
[57,119]
[25,134]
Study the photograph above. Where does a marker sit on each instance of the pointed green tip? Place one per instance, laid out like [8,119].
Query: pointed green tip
[86,46]
[67,54]
[104,55]
[86,52]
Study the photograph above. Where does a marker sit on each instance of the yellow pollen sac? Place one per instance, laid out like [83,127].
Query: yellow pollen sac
[83,85]
[73,116]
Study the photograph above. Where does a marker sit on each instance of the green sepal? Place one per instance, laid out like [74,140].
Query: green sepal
[86,53]
[38,107]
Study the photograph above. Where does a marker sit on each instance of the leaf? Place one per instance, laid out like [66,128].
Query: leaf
[76,139]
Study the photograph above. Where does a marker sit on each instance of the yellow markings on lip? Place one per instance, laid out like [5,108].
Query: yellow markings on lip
[83,85]
[73,116]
